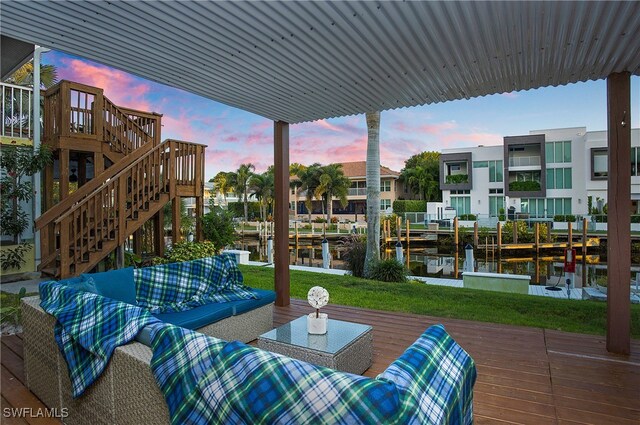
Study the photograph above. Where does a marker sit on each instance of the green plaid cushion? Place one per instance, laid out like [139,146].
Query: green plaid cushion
[205,382]
[182,286]
[435,377]
[88,329]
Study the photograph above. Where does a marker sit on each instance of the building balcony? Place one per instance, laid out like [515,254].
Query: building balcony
[359,191]
[525,163]
[455,171]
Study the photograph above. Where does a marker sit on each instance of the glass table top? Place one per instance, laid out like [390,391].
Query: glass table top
[339,335]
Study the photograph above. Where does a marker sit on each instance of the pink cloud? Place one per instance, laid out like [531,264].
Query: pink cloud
[463,139]
[437,128]
[429,128]
[120,87]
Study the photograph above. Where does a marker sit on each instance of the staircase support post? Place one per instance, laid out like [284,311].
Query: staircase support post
[175,220]
[158,233]
[137,242]
[64,174]
[199,214]
[120,257]
[98,163]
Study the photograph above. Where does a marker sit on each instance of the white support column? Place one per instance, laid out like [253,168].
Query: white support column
[37,178]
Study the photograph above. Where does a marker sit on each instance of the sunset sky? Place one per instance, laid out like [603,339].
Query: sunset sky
[234,136]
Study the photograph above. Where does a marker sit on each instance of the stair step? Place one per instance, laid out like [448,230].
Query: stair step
[50,271]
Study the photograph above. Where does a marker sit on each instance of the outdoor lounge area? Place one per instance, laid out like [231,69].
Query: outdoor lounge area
[525,375]
[292,63]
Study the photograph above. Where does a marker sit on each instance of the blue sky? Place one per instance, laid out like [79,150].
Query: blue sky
[234,137]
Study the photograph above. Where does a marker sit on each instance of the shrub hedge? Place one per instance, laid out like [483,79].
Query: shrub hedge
[401,207]
[528,186]
[237,210]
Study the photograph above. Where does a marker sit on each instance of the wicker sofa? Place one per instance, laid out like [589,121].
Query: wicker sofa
[136,397]
[127,392]
[242,320]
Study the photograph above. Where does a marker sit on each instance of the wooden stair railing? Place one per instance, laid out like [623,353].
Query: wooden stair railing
[126,132]
[90,229]
[78,112]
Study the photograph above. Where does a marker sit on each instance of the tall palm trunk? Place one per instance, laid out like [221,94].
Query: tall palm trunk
[373,191]
[329,207]
[246,205]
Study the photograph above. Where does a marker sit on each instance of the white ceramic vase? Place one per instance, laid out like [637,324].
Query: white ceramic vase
[317,325]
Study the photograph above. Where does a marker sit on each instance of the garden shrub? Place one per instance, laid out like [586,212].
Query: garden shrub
[393,223]
[467,217]
[217,226]
[389,271]
[525,235]
[401,207]
[187,251]
[354,249]
[600,218]
[569,218]
[528,186]
[457,179]
[236,209]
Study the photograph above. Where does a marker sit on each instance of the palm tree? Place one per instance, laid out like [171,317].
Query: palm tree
[224,182]
[332,184]
[373,191]
[242,176]
[421,174]
[294,171]
[309,181]
[24,75]
[263,188]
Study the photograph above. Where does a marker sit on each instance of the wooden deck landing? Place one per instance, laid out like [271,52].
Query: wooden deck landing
[525,375]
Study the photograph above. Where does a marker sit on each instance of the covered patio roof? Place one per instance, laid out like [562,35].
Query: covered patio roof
[304,61]
[294,62]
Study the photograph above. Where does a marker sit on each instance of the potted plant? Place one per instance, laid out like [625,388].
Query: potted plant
[318,297]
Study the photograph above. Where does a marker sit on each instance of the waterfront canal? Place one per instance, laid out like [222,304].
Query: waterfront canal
[544,269]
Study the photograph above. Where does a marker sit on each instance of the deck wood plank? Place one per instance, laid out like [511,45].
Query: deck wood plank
[20,397]
[525,375]
[8,419]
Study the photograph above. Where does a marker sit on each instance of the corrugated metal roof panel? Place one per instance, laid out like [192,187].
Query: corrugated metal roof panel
[302,61]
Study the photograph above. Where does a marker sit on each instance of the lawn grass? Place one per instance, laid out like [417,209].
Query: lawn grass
[10,311]
[588,317]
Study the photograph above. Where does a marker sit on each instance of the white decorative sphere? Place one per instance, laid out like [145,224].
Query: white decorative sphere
[318,297]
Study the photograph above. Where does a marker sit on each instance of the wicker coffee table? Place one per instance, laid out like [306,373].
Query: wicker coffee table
[346,346]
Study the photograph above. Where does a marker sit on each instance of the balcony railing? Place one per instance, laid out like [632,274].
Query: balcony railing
[524,161]
[359,191]
[17,116]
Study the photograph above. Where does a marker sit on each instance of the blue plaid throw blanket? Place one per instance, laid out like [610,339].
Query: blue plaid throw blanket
[205,380]
[88,328]
[435,377]
[182,286]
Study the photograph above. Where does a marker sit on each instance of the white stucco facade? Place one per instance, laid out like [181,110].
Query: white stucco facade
[571,175]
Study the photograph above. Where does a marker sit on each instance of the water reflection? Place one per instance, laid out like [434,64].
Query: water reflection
[433,262]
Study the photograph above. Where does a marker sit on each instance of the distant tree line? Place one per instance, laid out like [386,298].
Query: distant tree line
[420,174]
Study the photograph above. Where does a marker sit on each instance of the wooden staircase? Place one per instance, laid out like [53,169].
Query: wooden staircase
[86,226]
